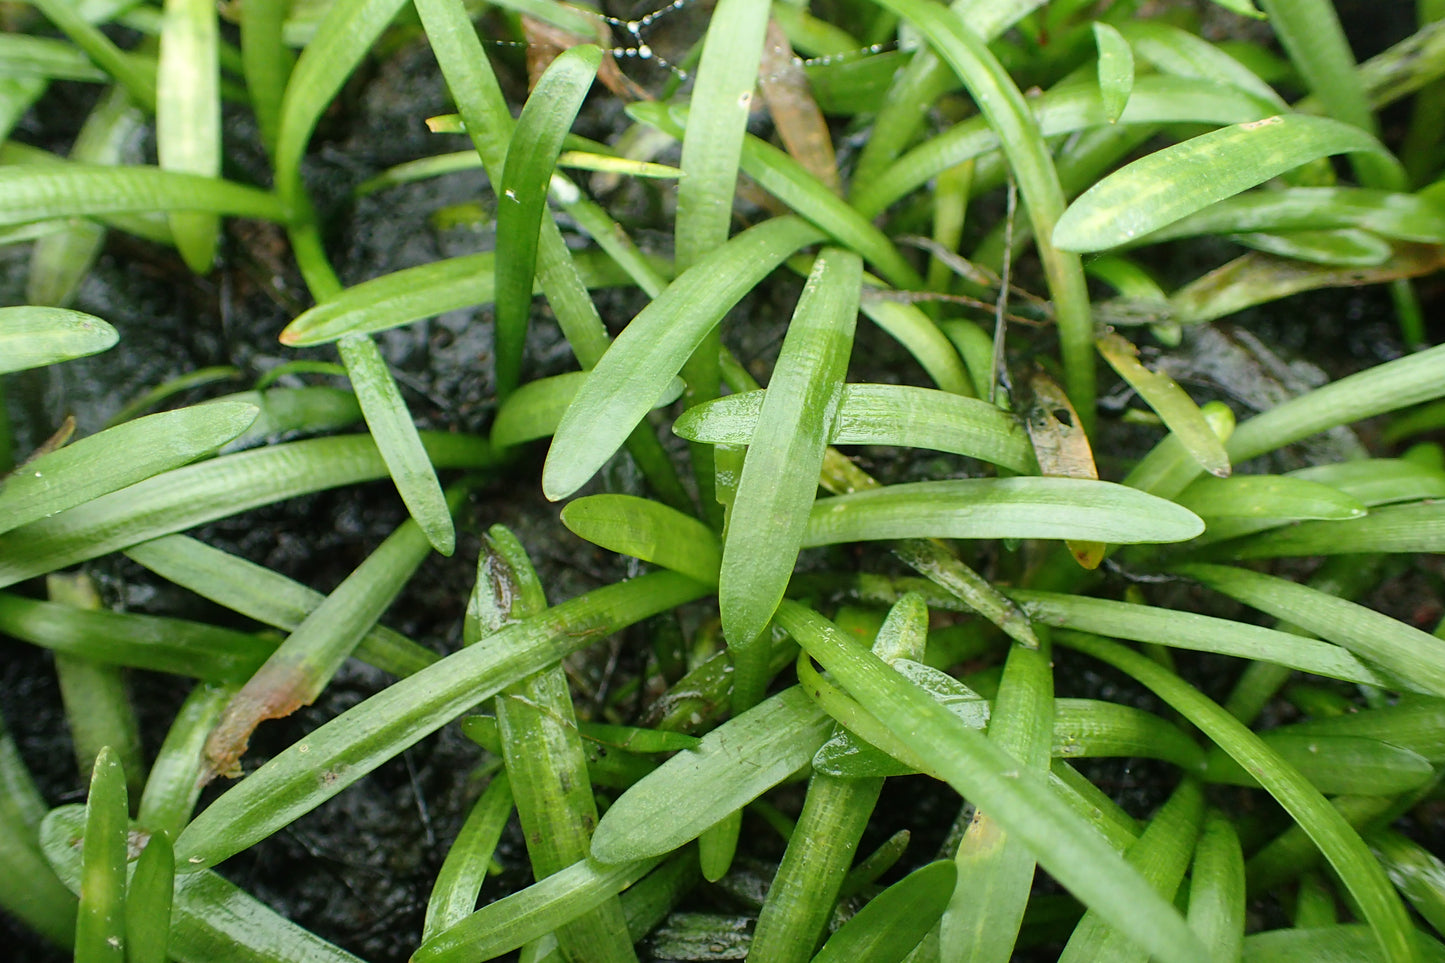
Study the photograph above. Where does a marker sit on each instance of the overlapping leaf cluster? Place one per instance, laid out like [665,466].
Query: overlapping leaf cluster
[1141,138]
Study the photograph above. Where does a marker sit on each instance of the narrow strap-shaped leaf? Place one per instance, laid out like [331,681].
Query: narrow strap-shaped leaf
[211,918]
[118,457]
[1268,497]
[1336,764]
[637,369]
[132,73]
[1378,481]
[1071,508]
[32,336]
[302,666]
[267,63]
[188,116]
[1189,630]
[148,902]
[1169,401]
[266,596]
[995,868]
[522,197]
[1179,180]
[515,920]
[1341,943]
[397,440]
[1415,527]
[174,782]
[1115,69]
[780,473]
[1216,888]
[1417,873]
[139,641]
[1401,649]
[647,530]
[894,921]
[1071,850]
[60,261]
[359,740]
[346,32]
[924,339]
[459,881]
[1404,217]
[1407,381]
[543,750]
[100,927]
[731,766]
[186,497]
[1341,845]
[1000,100]
[411,294]
[36,192]
[875,414]
[1161,854]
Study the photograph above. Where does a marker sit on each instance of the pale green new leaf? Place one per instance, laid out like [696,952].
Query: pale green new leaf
[32,336]
[1064,508]
[1179,180]
[647,530]
[117,457]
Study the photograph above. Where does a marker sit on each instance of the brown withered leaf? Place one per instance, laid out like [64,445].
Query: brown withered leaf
[796,116]
[1061,448]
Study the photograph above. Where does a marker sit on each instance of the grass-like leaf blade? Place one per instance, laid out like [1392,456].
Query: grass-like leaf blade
[397,440]
[894,921]
[640,364]
[1072,851]
[647,530]
[359,740]
[188,116]
[1403,650]
[33,336]
[100,927]
[1066,508]
[39,192]
[117,457]
[522,198]
[780,472]
[1179,180]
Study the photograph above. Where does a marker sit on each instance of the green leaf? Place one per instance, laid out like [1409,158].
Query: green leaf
[188,116]
[1063,843]
[522,198]
[38,192]
[780,472]
[1066,508]
[1336,765]
[1031,163]
[1116,69]
[1406,652]
[530,913]
[117,457]
[641,363]
[397,440]
[1396,384]
[211,918]
[186,497]
[1179,180]
[100,927]
[1216,888]
[1342,943]
[1268,497]
[1344,248]
[31,337]
[1341,845]
[1161,854]
[1417,527]
[731,766]
[647,530]
[1404,217]
[459,881]
[301,667]
[362,738]
[1189,630]
[140,641]
[894,921]
[266,596]
[875,414]
[148,902]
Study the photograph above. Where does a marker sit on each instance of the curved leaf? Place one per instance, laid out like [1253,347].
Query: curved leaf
[32,336]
